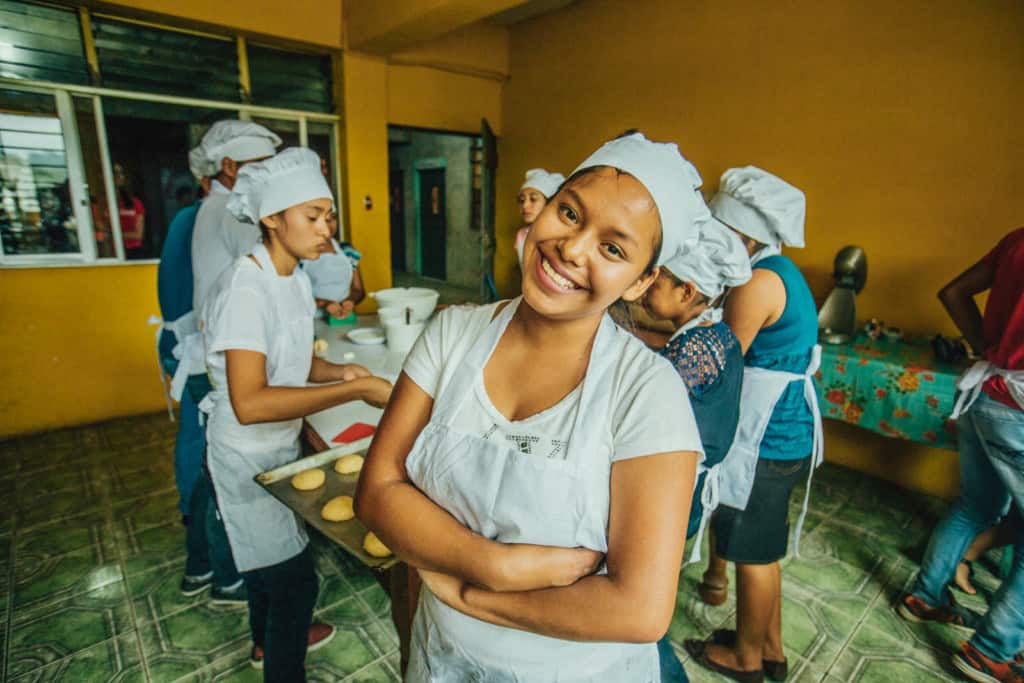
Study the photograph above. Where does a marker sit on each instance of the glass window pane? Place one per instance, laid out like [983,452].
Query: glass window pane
[42,43]
[321,139]
[288,131]
[149,145]
[290,80]
[36,214]
[148,59]
[95,183]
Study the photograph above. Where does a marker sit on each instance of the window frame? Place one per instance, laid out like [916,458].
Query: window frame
[76,178]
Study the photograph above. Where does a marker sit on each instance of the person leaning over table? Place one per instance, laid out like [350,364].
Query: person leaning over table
[990,418]
[778,439]
[337,283]
[528,439]
[258,333]
[707,355]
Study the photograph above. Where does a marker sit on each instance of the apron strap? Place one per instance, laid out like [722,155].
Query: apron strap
[708,501]
[970,385]
[817,443]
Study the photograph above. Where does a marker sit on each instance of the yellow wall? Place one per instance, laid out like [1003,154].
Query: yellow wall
[307,21]
[75,347]
[898,120]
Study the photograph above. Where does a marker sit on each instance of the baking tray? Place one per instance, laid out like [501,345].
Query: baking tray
[307,504]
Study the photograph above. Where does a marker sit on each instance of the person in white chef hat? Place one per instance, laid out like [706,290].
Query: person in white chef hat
[706,354]
[219,238]
[537,188]
[778,440]
[528,439]
[259,349]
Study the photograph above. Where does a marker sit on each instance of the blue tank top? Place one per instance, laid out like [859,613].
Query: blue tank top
[786,345]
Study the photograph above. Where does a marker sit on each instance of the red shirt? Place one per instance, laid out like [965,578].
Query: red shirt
[1004,313]
[130,216]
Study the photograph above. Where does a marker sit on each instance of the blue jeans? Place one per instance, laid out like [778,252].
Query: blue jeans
[672,670]
[206,541]
[188,451]
[991,479]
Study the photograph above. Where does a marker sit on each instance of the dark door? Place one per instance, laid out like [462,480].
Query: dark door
[396,206]
[433,230]
[487,210]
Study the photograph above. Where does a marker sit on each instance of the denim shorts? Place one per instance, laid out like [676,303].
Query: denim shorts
[760,534]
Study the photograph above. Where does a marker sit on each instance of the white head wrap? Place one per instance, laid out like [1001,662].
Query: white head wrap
[278,183]
[547,183]
[236,140]
[672,181]
[718,260]
[762,206]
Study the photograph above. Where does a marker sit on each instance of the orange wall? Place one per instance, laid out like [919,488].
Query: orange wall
[307,21]
[75,346]
[898,120]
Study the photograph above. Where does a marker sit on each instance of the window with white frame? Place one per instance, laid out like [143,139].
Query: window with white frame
[93,150]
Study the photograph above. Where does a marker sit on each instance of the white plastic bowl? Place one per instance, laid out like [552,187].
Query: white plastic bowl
[401,337]
[397,314]
[421,300]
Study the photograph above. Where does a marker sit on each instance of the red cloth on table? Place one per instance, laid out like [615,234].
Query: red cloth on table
[1004,313]
[359,430]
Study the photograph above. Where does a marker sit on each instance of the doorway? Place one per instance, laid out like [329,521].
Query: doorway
[435,197]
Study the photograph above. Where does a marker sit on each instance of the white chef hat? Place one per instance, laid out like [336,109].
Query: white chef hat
[761,206]
[266,187]
[539,179]
[672,181]
[236,140]
[716,261]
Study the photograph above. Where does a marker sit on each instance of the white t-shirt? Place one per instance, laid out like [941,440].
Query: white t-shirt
[218,241]
[651,412]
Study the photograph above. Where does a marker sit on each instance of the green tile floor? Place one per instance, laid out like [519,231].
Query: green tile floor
[91,552]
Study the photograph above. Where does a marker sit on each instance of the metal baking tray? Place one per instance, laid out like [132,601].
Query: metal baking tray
[307,504]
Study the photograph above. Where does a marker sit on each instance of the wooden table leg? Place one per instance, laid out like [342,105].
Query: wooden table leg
[402,584]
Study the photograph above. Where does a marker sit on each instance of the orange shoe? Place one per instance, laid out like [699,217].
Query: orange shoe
[319,635]
[977,667]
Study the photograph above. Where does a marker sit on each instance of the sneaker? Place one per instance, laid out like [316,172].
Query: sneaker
[977,667]
[234,597]
[319,635]
[915,610]
[194,585]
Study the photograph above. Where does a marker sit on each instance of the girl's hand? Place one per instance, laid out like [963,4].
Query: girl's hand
[346,306]
[335,309]
[376,391]
[352,371]
[526,567]
[445,587]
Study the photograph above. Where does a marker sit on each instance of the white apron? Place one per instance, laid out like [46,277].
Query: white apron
[510,497]
[188,352]
[761,391]
[261,530]
[973,381]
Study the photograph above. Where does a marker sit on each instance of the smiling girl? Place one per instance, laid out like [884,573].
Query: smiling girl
[258,331]
[530,439]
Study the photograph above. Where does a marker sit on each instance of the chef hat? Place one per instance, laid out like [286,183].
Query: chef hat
[266,187]
[762,206]
[716,261]
[236,140]
[672,181]
[547,183]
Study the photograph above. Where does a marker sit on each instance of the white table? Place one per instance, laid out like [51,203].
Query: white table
[325,425]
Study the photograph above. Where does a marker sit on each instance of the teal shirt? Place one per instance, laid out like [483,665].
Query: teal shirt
[786,345]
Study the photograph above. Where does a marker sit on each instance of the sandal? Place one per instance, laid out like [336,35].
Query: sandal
[774,669]
[698,651]
[712,593]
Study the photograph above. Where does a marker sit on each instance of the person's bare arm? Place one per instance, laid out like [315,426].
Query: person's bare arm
[634,601]
[254,400]
[958,299]
[325,371]
[754,306]
[356,292]
[423,534]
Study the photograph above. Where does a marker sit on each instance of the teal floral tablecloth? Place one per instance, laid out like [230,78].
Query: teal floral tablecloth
[895,388]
